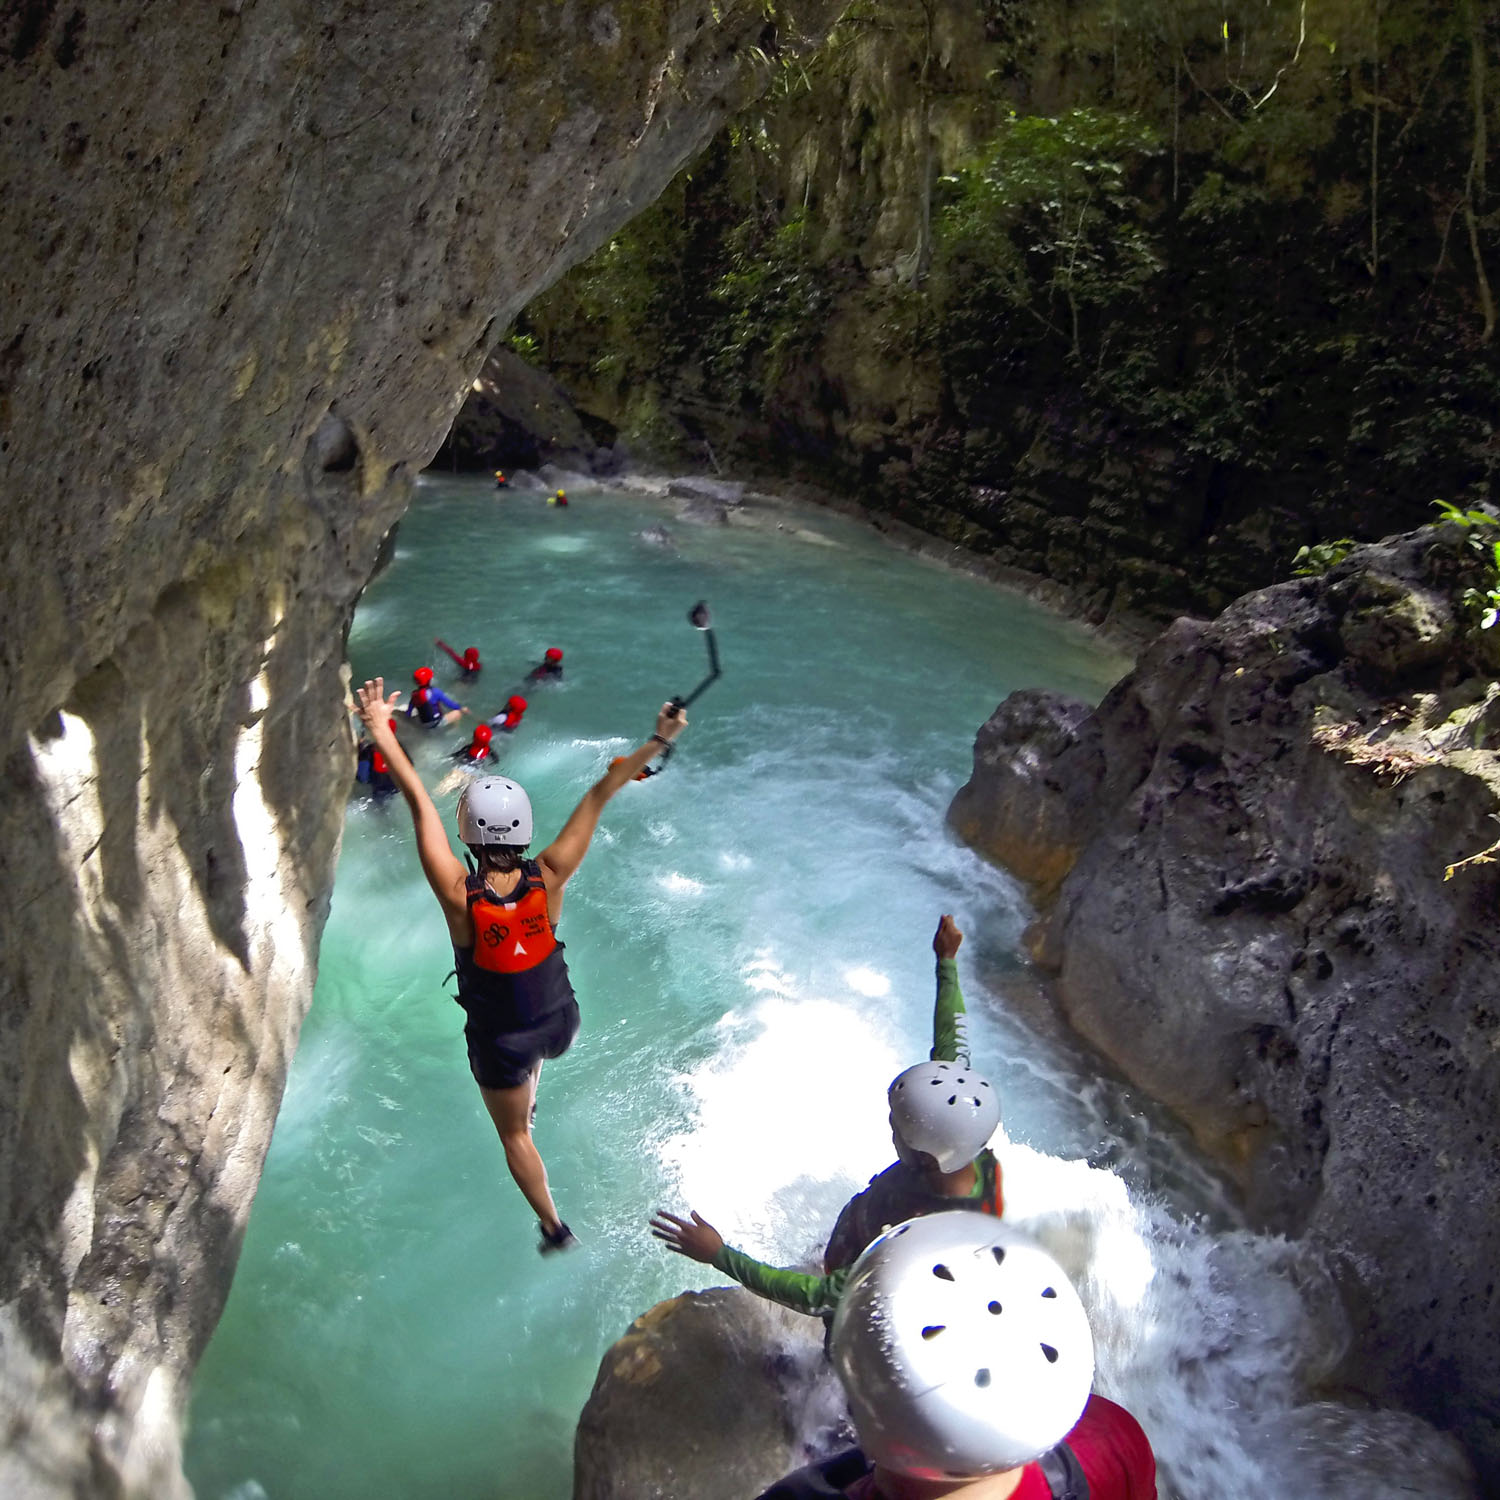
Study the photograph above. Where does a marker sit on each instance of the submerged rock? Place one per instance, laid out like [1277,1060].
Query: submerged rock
[719,491]
[1242,855]
[715,1393]
[658,536]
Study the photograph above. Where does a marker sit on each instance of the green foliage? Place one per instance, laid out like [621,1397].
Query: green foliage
[771,296]
[1317,558]
[522,345]
[1480,528]
[1047,220]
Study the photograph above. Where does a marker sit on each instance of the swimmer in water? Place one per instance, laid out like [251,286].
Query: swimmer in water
[508,720]
[468,663]
[501,482]
[431,706]
[502,920]
[478,748]
[560,498]
[549,668]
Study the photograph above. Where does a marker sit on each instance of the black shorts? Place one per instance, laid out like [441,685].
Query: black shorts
[504,1060]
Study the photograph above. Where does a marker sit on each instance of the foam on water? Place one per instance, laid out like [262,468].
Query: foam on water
[749,939]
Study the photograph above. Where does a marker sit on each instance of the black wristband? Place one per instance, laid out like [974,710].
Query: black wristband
[661,739]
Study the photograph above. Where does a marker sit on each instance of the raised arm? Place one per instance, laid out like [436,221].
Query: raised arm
[565,853]
[801,1291]
[444,870]
[950,1030]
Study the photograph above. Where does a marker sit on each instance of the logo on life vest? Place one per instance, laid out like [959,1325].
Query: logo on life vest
[495,934]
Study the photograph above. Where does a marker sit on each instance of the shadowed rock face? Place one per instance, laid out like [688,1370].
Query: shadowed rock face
[253,254]
[1244,849]
[708,1394]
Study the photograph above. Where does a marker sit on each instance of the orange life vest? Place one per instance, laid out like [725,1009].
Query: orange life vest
[514,934]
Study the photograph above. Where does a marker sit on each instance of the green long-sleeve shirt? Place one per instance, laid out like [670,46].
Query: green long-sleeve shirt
[950,1021]
[803,1291]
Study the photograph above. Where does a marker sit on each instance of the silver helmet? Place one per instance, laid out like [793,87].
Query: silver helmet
[962,1347]
[494,810]
[944,1109]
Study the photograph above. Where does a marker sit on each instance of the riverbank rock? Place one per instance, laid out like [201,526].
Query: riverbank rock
[255,255]
[710,1394]
[518,417]
[1241,855]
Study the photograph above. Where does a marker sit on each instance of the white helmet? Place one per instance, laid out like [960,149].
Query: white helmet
[944,1109]
[962,1347]
[493,810]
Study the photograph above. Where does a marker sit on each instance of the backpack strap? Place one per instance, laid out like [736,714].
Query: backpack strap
[827,1479]
[1064,1474]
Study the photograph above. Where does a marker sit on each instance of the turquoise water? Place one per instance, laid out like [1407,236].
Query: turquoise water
[749,940]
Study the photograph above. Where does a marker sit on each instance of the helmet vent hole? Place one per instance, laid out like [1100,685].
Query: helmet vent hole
[932,1330]
[996,1308]
[1048,1291]
[983,1084]
[976,1101]
[942,1272]
[952,1098]
[1051,1353]
[998,1251]
[981,1378]
[935,1081]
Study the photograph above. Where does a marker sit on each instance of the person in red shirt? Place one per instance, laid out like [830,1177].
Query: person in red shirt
[968,1362]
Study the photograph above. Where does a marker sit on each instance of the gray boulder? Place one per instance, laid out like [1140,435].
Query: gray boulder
[1241,854]
[709,1396]
[719,491]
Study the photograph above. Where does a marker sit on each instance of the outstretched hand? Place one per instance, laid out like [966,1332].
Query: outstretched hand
[375,708]
[947,939]
[698,1239]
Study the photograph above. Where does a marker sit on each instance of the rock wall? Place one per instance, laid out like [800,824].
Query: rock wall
[253,254]
[1241,855]
[710,1394]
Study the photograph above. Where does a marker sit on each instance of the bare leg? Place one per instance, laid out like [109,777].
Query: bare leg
[510,1109]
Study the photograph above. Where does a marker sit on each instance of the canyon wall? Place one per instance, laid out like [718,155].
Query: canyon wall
[1269,874]
[254,253]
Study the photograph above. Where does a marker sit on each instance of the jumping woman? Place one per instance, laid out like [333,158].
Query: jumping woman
[512,977]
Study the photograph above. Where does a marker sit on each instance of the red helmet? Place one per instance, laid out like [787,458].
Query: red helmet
[422,676]
[516,704]
[553,654]
[483,734]
[471,656]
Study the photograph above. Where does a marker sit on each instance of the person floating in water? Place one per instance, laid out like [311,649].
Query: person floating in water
[549,668]
[501,482]
[430,706]
[512,977]
[508,720]
[468,663]
[371,770]
[478,748]
[942,1116]
[560,498]
[968,1363]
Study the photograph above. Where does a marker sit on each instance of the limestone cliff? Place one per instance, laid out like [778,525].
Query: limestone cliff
[253,254]
[1241,855]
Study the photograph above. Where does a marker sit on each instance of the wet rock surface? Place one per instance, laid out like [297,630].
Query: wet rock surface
[715,1393]
[1242,852]
[253,256]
